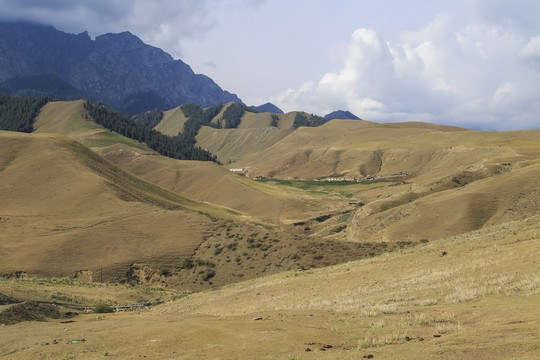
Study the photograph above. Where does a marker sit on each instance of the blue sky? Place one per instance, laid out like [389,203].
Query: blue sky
[471,63]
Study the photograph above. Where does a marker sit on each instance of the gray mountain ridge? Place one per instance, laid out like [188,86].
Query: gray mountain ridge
[341,114]
[118,69]
[268,107]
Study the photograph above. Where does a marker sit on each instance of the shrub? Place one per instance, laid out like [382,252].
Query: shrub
[186,264]
[201,262]
[103,308]
[164,272]
[208,275]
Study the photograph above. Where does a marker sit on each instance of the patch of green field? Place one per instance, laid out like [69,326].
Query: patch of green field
[306,184]
[345,188]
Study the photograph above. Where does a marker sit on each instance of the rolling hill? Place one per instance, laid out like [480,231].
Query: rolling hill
[65,210]
[349,240]
[477,301]
[425,172]
[254,215]
[418,173]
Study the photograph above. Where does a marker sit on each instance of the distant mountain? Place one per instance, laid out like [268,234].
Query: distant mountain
[42,85]
[268,107]
[118,69]
[341,114]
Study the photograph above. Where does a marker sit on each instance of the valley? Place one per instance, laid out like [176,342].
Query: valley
[426,239]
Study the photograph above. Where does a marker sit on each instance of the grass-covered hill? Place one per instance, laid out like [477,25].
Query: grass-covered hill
[472,296]
[419,173]
[215,227]
[65,209]
[396,179]
[430,252]
[201,181]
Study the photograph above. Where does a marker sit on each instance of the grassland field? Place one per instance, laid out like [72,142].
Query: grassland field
[276,264]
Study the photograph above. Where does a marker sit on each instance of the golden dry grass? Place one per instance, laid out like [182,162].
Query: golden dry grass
[454,174]
[478,301]
[468,289]
[68,213]
[69,118]
[65,209]
[201,181]
[172,123]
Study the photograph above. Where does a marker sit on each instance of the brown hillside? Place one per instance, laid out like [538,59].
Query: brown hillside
[411,215]
[246,268]
[460,179]
[478,301]
[172,122]
[424,125]
[440,162]
[354,148]
[210,183]
[252,136]
[69,118]
[65,210]
[68,212]
[201,181]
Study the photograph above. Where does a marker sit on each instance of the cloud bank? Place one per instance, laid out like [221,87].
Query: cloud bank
[480,73]
[162,23]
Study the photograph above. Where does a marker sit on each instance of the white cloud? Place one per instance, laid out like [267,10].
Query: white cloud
[475,74]
[162,23]
[531,51]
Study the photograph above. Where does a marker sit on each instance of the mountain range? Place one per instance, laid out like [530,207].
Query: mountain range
[117,69]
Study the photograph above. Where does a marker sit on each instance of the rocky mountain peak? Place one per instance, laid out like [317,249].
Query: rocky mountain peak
[119,69]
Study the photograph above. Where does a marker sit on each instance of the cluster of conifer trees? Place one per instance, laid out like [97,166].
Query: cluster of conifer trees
[233,115]
[175,147]
[274,121]
[19,113]
[149,118]
[197,117]
[303,119]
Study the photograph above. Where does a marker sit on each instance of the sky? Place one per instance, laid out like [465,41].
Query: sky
[470,63]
